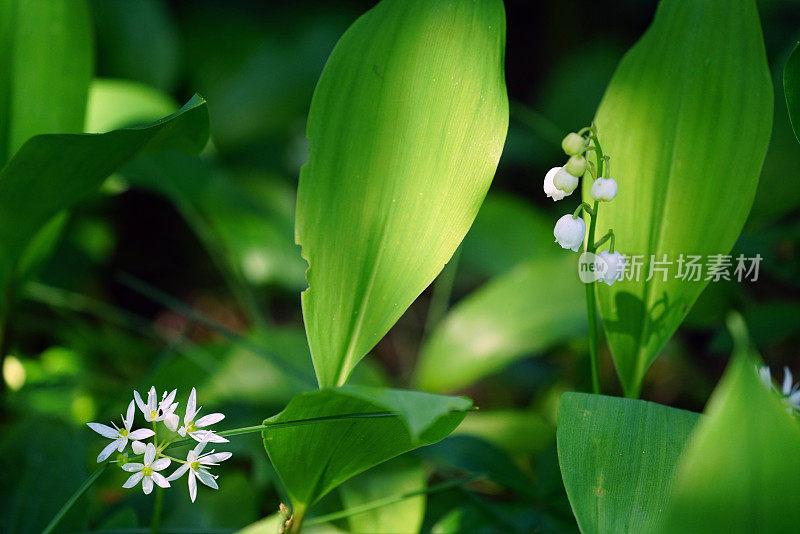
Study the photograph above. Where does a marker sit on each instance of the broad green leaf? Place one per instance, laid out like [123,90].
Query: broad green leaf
[527,310]
[45,69]
[402,475]
[740,471]
[52,172]
[791,87]
[686,120]
[406,128]
[121,103]
[312,459]
[520,432]
[617,459]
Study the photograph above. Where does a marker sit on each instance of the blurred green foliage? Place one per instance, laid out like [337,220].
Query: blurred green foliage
[217,234]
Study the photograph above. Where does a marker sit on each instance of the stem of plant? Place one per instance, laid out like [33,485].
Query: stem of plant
[591,299]
[155,524]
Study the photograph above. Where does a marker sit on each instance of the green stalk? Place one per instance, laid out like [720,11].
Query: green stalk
[74,498]
[155,524]
[591,298]
[386,501]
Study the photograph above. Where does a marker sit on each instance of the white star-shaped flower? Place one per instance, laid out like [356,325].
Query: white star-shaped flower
[120,436]
[197,465]
[154,410]
[147,472]
[193,428]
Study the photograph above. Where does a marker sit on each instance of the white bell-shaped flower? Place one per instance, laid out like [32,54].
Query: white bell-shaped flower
[549,187]
[565,181]
[609,266]
[604,189]
[569,232]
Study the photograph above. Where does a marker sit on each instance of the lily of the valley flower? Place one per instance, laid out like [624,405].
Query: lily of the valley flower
[154,410]
[147,472]
[549,187]
[574,144]
[193,428]
[569,232]
[120,436]
[604,189]
[565,181]
[197,465]
[614,263]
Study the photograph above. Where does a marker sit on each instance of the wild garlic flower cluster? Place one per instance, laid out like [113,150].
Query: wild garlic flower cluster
[154,460]
[570,229]
[790,391]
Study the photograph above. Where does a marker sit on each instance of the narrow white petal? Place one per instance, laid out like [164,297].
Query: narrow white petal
[178,472]
[206,478]
[198,449]
[209,419]
[787,381]
[106,452]
[121,442]
[152,399]
[132,467]
[159,479]
[216,457]
[182,431]
[133,480]
[161,463]
[139,402]
[129,417]
[214,438]
[147,485]
[191,406]
[166,402]
[192,486]
[141,433]
[138,447]
[149,454]
[104,430]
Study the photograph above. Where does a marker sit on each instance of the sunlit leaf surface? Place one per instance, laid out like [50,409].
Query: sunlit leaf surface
[686,121]
[406,128]
[46,59]
[312,459]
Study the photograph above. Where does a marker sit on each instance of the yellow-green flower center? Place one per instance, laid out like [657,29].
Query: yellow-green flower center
[123,432]
[191,427]
[153,414]
[195,465]
[147,471]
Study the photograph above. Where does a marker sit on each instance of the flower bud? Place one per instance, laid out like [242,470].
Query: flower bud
[138,447]
[569,232]
[565,181]
[609,266]
[550,188]
[576,166]
[573,144]
[172,422]
[604,189]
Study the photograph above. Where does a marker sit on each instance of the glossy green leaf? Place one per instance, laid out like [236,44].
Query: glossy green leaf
[528,310]
[45,68]
[618,458]
[686,120]
[406,128]
[52,172]
[740,472]
[121,103]
[397,477]
[791,87]
[312,459]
